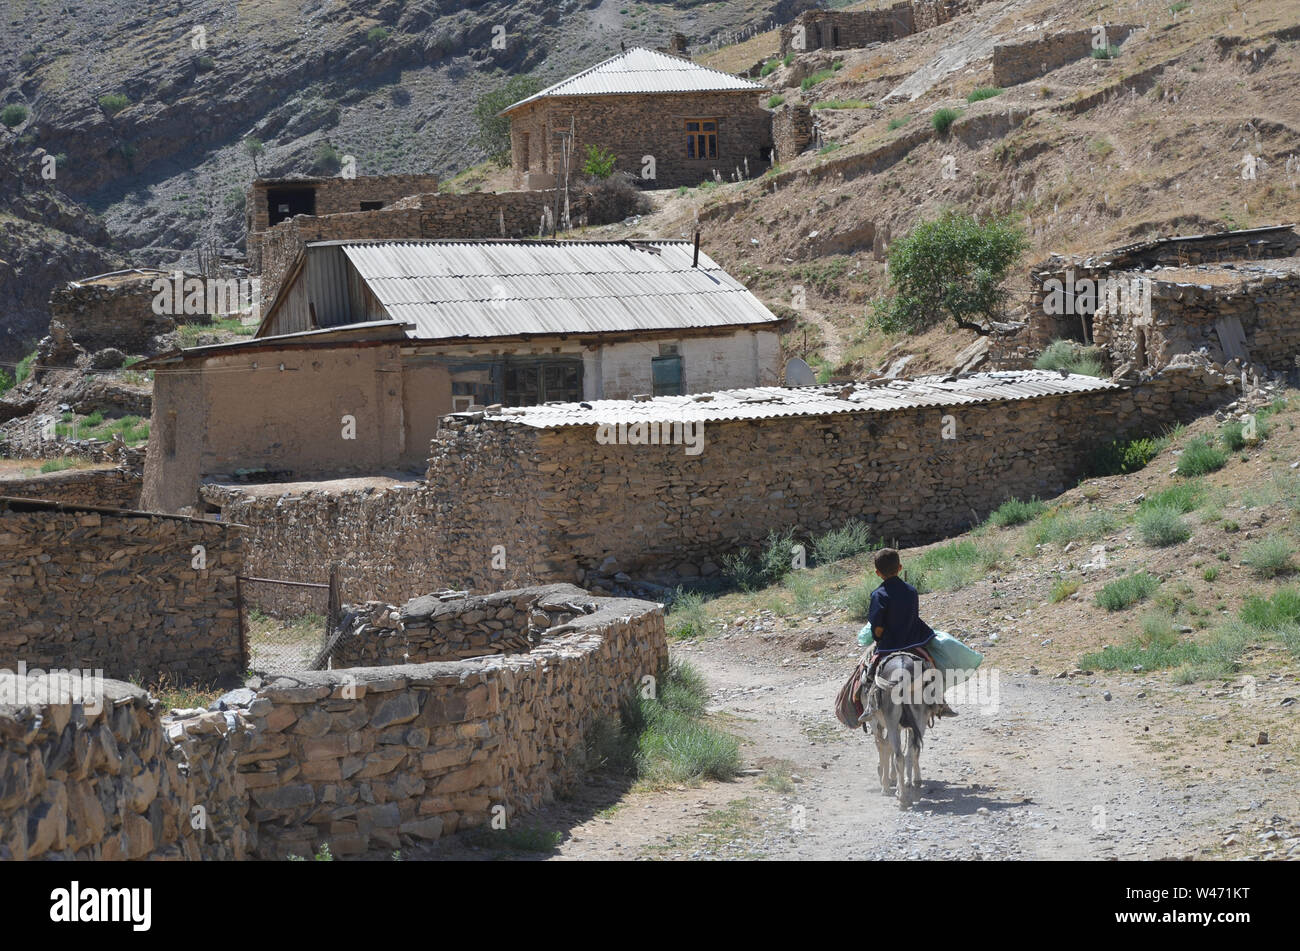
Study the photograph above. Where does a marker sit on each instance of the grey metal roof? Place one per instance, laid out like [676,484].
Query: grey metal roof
[450,289]
[766,402]
[640,70]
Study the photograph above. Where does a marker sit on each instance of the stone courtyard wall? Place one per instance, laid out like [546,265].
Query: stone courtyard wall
[117,488]
[505,505]
[366,760]
[118,591]
[1018,62]
[111,779]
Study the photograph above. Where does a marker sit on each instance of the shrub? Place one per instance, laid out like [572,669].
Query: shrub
[13,115]
[1015,512]
[984,92]
[376,34]
[1106,52]
[950,268]
[769,67]
[1071,357]
[897,123]
[858,602]
[1126,591]
[750,571]
[1269,557]
[56,465]
[599,163]
[1200,457]
[113,103]
[1162,525]
[6,381]
[611,199]
[326,160]
[1268,613]
[1119,458]
[775,101]
[1210,573]
[686,616]
[943,119]
[818,77]
[853,538]
[952,567]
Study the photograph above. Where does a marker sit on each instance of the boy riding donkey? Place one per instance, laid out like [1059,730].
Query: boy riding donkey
[894,624]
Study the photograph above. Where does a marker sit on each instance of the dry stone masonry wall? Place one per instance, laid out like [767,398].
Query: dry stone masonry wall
[131,594]
[110,779]
[117,488]
[1018,62]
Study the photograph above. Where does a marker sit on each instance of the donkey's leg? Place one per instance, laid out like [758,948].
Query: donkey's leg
[884,765]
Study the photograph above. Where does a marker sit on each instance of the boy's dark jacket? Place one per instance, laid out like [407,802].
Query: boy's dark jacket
[896,607]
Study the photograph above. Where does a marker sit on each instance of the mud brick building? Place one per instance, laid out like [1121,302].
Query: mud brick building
[270,201]
[668,121]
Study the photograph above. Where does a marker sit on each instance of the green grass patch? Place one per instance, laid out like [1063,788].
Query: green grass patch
[750,570]
[1160,646]
[858,601]
[1126,591]
[664,739]
[1106,52]
[1063,527]
[56,465]
[1184,497]
[1120,457]
[1015,512]
[942,119]
[984,92]
[24,368]
[1200,457]
[775,101]
[113,103]
[952,567]
[897,123]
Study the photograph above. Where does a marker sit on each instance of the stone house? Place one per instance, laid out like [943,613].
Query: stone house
[270,201]
[668,121]
[371,343]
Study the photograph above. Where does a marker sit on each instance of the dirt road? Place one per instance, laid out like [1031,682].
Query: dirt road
[1054,770]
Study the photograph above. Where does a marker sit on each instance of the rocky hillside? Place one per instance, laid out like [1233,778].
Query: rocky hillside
[45,239]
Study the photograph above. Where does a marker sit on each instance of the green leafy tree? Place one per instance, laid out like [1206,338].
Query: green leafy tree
[950,268]
[493,135]
[254,147]
[599,163]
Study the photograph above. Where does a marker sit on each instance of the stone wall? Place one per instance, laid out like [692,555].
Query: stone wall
[114,488]
[1018,62]
[451,626]
[564,508]
[1185,315]
[118,591]
[366,760]
[114,313]
[635,127]
[792,130]
[102,776]
[381,758]
[846,29]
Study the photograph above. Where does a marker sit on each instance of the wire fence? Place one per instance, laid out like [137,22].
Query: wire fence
[286,625]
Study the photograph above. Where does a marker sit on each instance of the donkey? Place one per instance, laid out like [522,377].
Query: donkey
[896,711]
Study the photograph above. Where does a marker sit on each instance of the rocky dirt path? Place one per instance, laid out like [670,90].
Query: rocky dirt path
[1055,771]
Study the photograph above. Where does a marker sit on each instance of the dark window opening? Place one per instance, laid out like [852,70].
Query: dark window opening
[371,205]
[283,203]
[666,373]
[529,383]
[835,37]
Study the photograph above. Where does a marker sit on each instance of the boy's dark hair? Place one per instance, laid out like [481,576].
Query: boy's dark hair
[887,561]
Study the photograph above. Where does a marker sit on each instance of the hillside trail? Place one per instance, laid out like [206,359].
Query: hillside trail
[1053,771]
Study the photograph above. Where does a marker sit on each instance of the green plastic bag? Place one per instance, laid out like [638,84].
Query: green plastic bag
[953,657]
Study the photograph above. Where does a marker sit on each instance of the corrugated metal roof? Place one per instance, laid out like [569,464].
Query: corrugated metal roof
[448,289]
[640,70]
[767,402]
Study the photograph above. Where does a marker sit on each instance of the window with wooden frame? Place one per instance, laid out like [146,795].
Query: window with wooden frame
[701,138]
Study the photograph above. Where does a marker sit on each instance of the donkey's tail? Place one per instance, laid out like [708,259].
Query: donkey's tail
[909,728]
